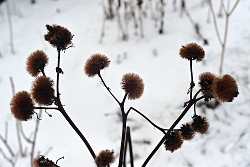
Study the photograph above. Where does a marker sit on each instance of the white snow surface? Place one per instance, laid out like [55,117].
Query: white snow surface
[155,58]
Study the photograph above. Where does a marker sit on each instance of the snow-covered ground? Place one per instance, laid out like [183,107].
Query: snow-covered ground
[155,58]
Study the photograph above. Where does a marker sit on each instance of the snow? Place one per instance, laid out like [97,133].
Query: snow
[155,58]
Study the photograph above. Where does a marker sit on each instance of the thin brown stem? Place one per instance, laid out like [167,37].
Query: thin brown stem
[195,97]
[124,128]
[192,80]
[129,141]
[124,120]
[124,98]
[124,124]
[58,71]
[62,110]
[53,108]
[170,130]
[109,90]
[159,128]
[42,70]
[125,148]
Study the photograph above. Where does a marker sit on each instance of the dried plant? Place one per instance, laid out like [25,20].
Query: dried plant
[222,39]
[41,161]
[105,158]
[22,106]
[224,89]
[36,63]
[42,90]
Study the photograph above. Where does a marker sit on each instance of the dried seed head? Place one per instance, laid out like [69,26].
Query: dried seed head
[225,89]
[58,36]
[192,51]
[36,62]
[200,124]
[42,90]
[105,158]
[22,106]
[206,81]
[133,85]
[174,141]
[95,63]
[187,132]
[35,162]
[41,161]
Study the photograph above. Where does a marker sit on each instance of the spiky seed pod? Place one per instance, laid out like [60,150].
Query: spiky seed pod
[133,85]
[187,132]
[206,81]
[58,36]
[105,158]
[36,62]
[192,51]
[41,161]
[200,124]
[174,141]
[95,64]
[225,89]
[22,106]
[42,90]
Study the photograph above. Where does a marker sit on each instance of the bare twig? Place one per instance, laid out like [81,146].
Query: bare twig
[161,31]
[47,152]
[7,159]
[33,144]
[17,122]
[104,17]
[119,21]
[7,145]
[223,42]
[23,135]
[159,128]
[140,20]
[215,22]
[10,28]
[195,25]
[107,88]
